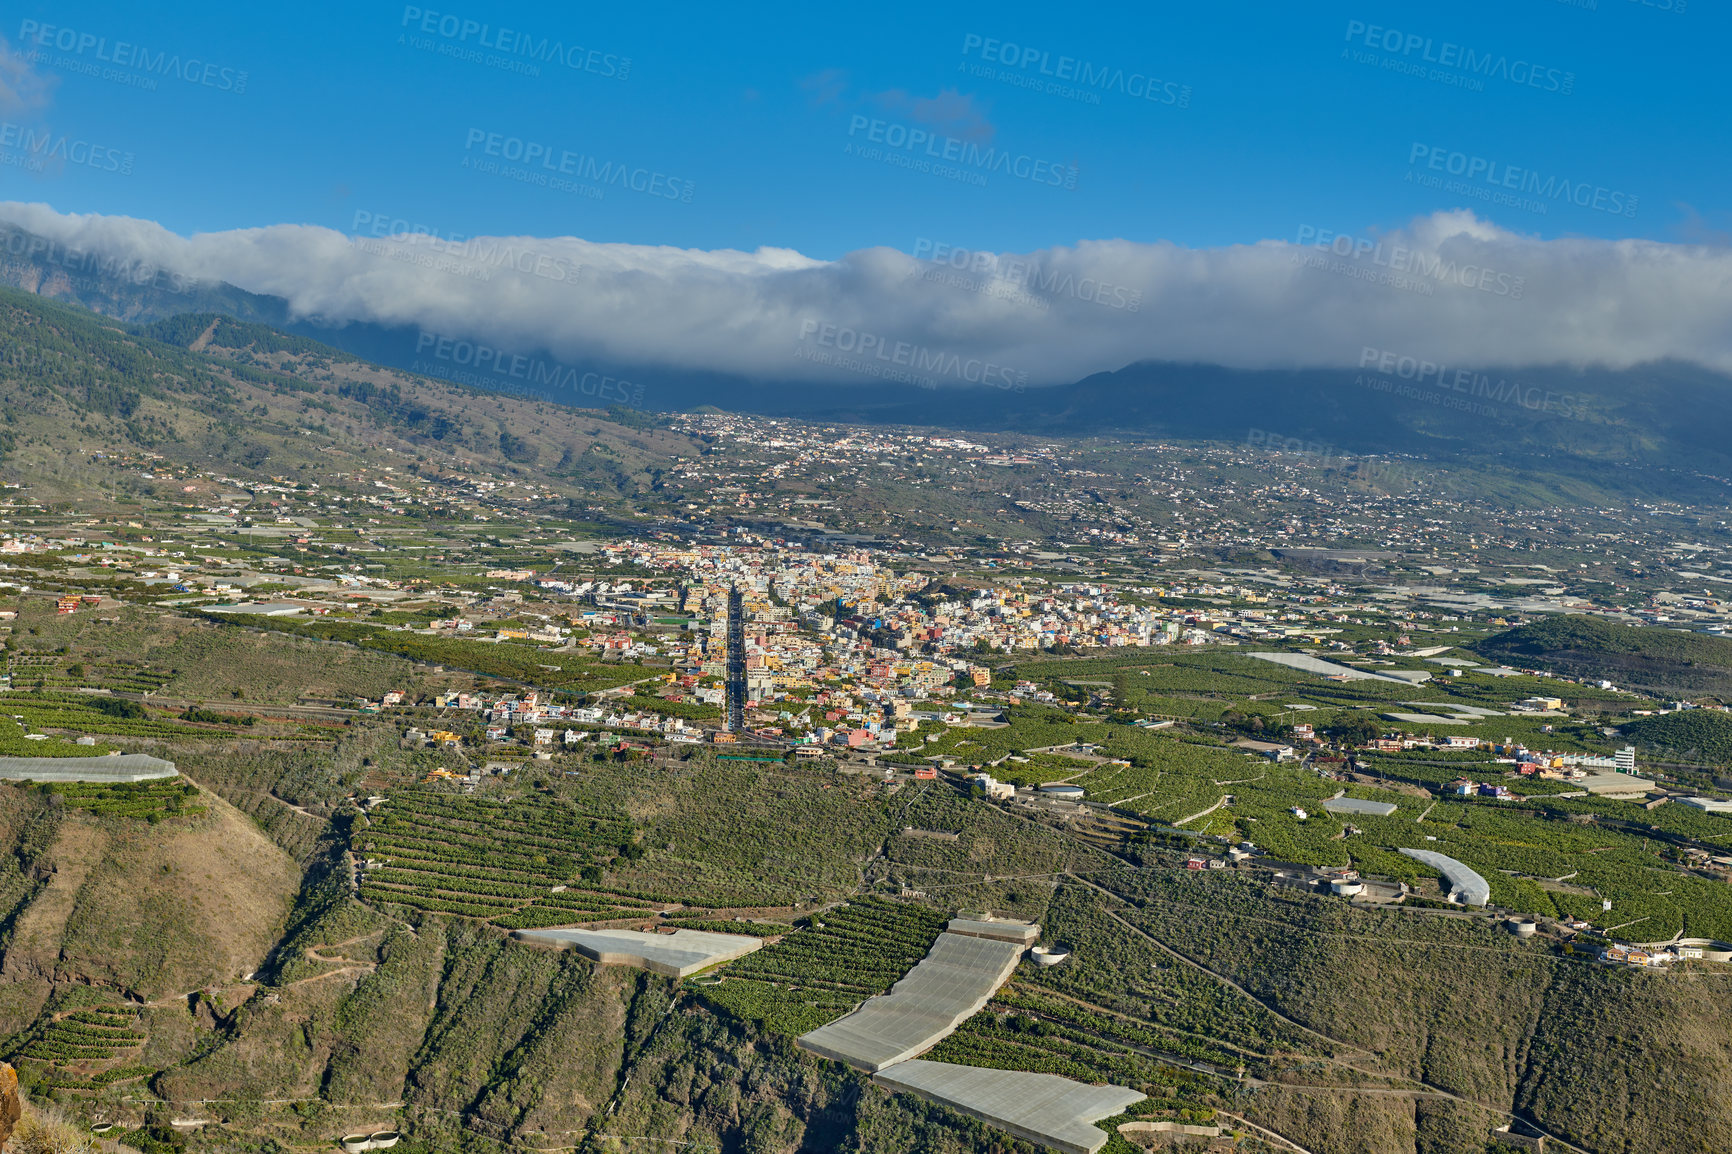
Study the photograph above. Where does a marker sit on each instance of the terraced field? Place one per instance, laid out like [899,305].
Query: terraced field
[72,1043]
[55,671]
[517,864]
[150,800]
[817,974]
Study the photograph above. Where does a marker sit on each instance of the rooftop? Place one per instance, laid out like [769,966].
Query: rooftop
[674,955]
[1042,1108]
[1355,805]
[112,768]
[953,981]
[1466,886]
[1005,930]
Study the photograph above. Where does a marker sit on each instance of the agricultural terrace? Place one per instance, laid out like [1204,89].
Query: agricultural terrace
[84,713]
[150,801]
[56,671]
[1204,684]
[498,861]
[745,835]
[511,660]
[64,1051]
[818,973]
[1124,1014]
[1544,855]
[1120,1010]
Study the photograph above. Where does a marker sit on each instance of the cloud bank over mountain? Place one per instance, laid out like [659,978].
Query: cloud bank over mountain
[1448,288]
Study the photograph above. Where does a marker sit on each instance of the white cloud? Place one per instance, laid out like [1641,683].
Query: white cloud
[1474,294]
[22,88]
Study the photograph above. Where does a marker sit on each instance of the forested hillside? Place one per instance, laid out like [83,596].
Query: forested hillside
[1664,661]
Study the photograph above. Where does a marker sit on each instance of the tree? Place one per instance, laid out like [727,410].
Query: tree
[1352,729]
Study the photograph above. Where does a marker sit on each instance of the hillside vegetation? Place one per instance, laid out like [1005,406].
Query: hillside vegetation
[1665,661]
[207,392]
[1687,735]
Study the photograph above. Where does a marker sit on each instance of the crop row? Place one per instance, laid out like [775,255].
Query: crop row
[56,1080]
[494,822]
[425,901]
[102,1016]
[721,926]
[470,886]
[446,852]
[775,1008]
[60,1051]
[535,917]
[407,860]
[986,1041]
[483,839]
[588,900]
[72,1030]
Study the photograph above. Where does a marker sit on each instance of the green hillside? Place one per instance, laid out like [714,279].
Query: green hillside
[1664,661]
[203,392]
[1692,734]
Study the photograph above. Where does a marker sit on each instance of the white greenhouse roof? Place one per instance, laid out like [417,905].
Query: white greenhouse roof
[676,955]
[1043,1108]
[1355,805]
[955,979]
[1467,887]
[115,767]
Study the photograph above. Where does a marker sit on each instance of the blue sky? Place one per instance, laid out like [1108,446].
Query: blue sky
[1267,119]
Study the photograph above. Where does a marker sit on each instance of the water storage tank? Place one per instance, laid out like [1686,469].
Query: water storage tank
[1523,927]
[1346,888]
[1044,956]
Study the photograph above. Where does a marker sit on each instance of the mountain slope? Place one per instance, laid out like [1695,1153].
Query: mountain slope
[205,392]
[1618,430]
[1663,661]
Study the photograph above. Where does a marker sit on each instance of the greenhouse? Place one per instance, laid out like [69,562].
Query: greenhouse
[955,979]
[1465,886]
[675,955]
[110,769]
[1043,1108]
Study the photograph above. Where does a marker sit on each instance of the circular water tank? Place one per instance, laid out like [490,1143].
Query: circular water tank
[1523,927]
[1048,955]
[1346,888]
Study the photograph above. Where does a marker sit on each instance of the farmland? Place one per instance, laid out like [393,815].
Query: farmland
[149,800]
[76,1049]
[505,659]
[818,973]
[498,861]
